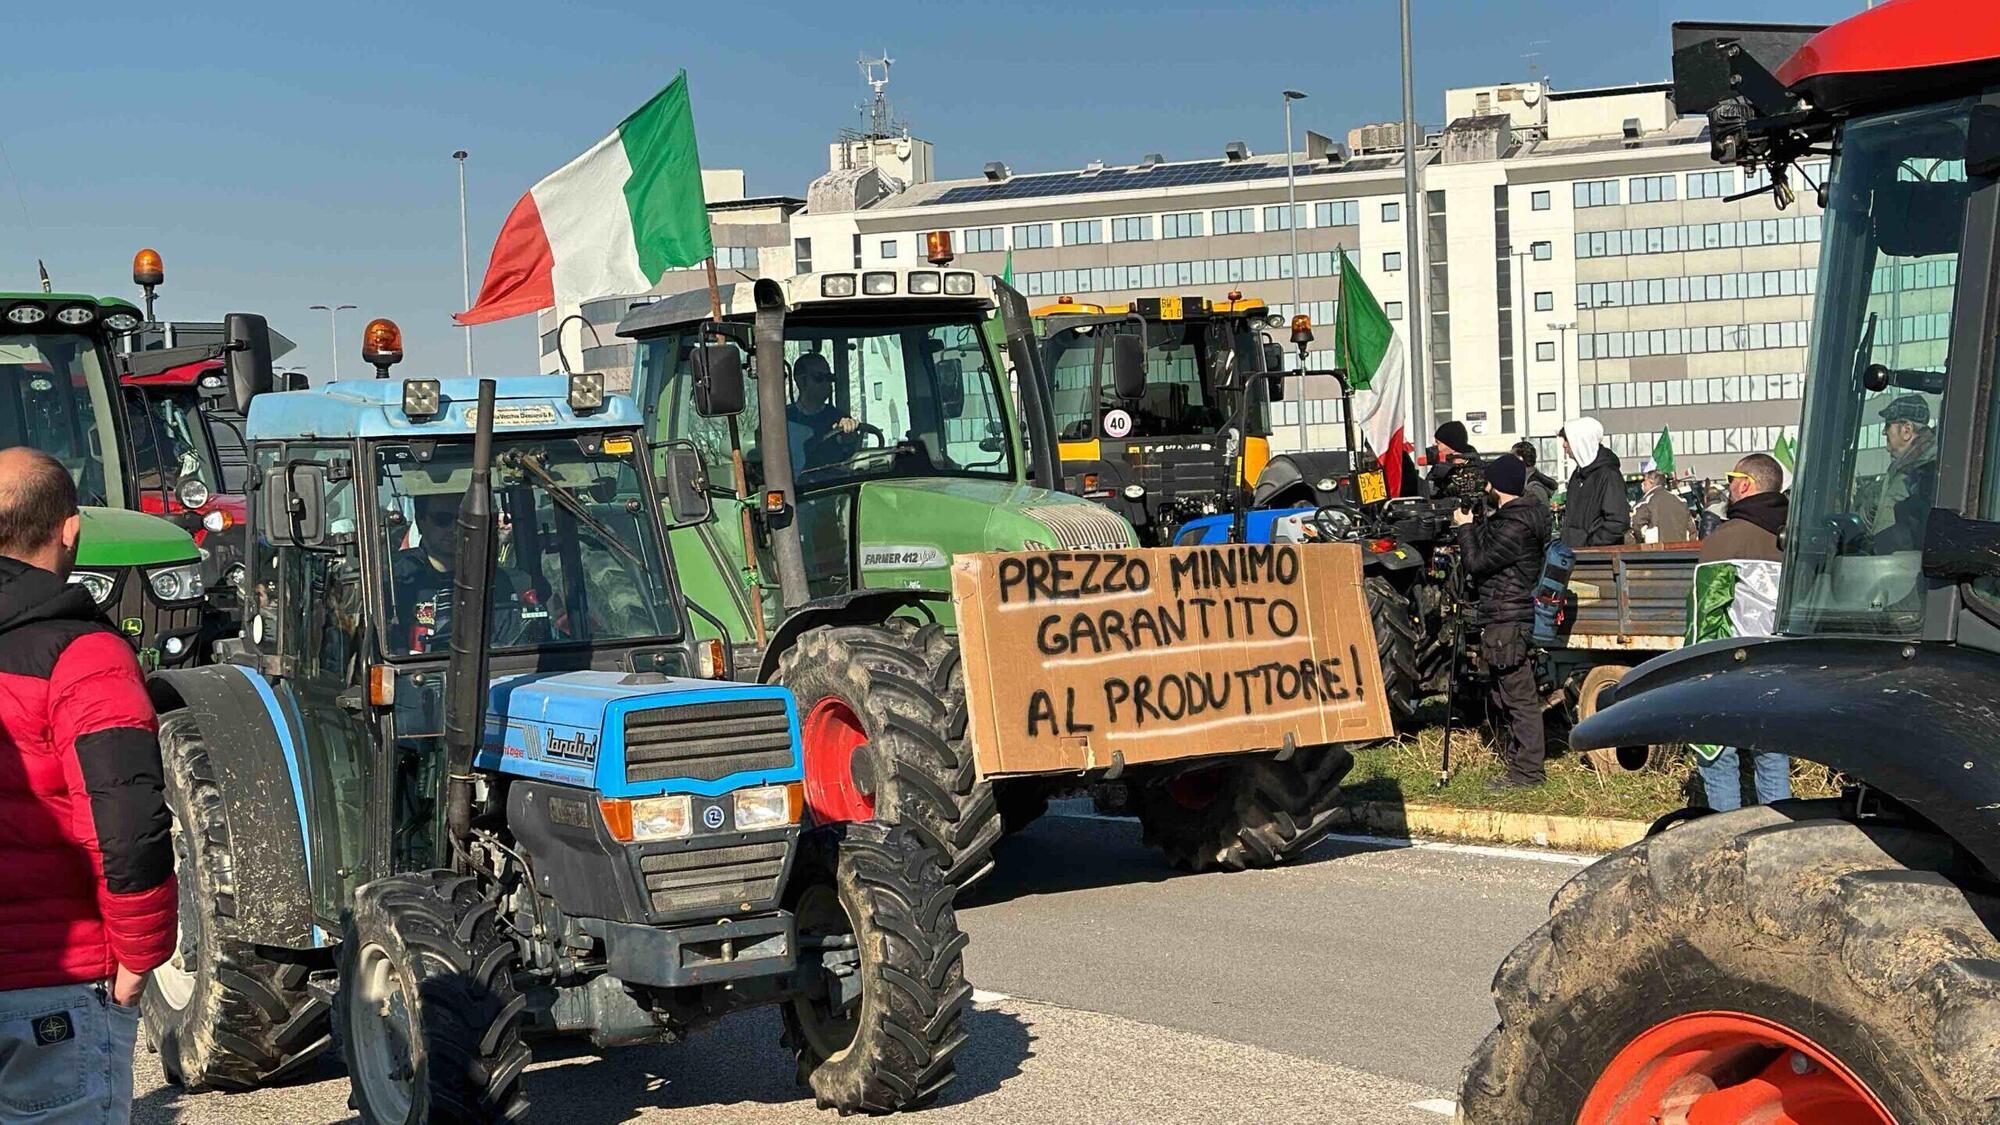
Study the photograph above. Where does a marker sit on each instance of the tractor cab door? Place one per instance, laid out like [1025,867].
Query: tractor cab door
[313,593]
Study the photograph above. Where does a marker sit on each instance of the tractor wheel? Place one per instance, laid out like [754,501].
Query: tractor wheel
[1770,964]
[1254,811]
[428,1018]
[882,719]
[1614,759]
[223,1014]
[879,1031]
[1396,641]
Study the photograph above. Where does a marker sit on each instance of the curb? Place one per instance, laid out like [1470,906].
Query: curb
[1490,826]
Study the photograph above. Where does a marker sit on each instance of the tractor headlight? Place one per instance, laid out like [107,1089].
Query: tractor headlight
[1135,492]
[76,316]
[217,520]
[768,807]
[958,284]
[878,284]
[925,283]
[27,314]
[837,285]
[192,493]
[98,585]
[122,322]
[421,398]
[662,818]
[176,583]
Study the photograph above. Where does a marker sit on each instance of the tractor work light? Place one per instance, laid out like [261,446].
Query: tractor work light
[878,284]
[217,520]
[768,807]
[421,399]
[192,493]
[122,322]
[99,586]
[645,819]
[937,248]
[382,345]
[711,662]
[837,285]
[27,314]
[75,316]
[925,282]
[586,391]
[958,284]
[147,269]
[176,583]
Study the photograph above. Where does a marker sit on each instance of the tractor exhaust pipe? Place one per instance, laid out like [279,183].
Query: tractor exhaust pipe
[780,502]
[466,681]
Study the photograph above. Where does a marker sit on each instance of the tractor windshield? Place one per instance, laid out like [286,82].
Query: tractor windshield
[579,551]
[181,436]
[1876,396]
[54,397]
[1188,367]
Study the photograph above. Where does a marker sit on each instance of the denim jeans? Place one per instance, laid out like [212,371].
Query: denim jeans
[66,1056]
[1723,778]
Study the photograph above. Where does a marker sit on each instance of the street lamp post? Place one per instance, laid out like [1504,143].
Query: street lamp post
[1292,224]
[1413,261]
[464,258]
[333,331]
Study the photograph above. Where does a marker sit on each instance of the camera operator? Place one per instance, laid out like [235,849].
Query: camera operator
[1502,555]
[1454,463]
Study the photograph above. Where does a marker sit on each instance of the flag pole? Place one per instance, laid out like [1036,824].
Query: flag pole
[742,474]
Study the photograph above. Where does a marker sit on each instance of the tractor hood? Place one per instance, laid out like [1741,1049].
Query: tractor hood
[640,735]
[116,537]
[960,516]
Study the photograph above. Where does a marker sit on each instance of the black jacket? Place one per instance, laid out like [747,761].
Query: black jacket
[1503,556]
[1595,513]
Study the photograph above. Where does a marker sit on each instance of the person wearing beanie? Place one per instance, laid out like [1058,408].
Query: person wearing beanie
[1502,555]
[1451,451]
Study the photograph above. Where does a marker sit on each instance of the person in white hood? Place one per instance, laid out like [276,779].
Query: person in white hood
[1595,513]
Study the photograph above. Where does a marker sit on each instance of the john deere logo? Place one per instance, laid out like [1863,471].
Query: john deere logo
[132,626]
[53,1028]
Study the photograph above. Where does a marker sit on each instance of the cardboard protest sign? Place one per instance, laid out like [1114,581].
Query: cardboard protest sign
[1077,659]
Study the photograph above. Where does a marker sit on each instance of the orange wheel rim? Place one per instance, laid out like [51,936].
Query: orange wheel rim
[1725,1068]
[830,734]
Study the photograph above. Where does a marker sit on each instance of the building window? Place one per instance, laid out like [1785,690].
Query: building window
[1651,189]
[1332,213]
[1132,228]
[736,257]
[1391,211]
[1538,201]
[1275,220]
[1738,286]
[1543,251]
[1236,220]
[1545,302]
[1596,193]
[984,240]
[1181,224]
[1392,261]
[1545,401]
[551,340]
[857,250]
[1034,236]
[1546,352]
[1697,236]
[802,255]
[1082,232]
[1393,310]
[1711,185]
[888,249]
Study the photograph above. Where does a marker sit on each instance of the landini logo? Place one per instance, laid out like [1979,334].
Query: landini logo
[582,748]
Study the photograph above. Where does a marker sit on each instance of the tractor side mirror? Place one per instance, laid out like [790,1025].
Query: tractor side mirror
[718,380]
[292,504]
[951,387]
[1128,366]
[684,485]
[247,358]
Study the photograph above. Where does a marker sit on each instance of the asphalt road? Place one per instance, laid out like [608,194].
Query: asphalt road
[1345,988]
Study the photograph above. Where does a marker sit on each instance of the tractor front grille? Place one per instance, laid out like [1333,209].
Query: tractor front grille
[714,878]
[707,741]
[148,622]
[1081,527]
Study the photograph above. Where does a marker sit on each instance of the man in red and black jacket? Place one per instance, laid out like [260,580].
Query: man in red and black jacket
[87,897]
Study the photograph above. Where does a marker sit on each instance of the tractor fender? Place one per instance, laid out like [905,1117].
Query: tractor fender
[1400,557]
[1920,722]
[253,743]
[851,608]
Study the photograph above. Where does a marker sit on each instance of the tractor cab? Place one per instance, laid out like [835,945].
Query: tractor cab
[1166,433]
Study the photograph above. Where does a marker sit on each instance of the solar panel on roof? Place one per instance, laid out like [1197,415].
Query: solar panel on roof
[1129,179]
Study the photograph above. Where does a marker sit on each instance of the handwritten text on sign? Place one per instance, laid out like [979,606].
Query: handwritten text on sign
[1163,653]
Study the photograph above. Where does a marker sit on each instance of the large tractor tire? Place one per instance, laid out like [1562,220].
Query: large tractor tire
[1590,699]
[223,1014]
[1397,638]
[881,1031]
[428,1018]
[882,719]
[1254,811]
[1777,963]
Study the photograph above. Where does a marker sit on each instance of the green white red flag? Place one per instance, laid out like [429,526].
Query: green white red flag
[610,222]
[1367,348]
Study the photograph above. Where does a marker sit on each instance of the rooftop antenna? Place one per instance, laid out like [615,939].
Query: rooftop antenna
[1534,58]
[875,72]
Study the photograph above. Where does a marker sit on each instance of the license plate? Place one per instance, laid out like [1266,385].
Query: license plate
[1374,486]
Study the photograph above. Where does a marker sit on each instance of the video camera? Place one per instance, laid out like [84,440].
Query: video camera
[1464,488]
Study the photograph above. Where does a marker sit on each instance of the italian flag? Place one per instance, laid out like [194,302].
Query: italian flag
[609,222]
[1367,348]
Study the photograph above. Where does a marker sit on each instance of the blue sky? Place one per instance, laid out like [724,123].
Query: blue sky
[282,155]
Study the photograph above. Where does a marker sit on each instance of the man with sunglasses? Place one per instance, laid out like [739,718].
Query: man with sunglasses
[821,433]
[1736,595]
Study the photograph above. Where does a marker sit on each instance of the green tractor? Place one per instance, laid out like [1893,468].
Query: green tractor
[60,393]
[883,439]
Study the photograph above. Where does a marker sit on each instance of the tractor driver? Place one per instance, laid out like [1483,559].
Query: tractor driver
[1902,500]
[821,433]
[423,576]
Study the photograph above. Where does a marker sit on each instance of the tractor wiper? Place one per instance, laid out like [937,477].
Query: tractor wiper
[561,494]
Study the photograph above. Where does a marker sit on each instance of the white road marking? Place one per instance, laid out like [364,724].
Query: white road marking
[1443,1107]
[981,996]
[1082,810]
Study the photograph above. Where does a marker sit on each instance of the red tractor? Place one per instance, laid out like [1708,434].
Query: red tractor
[184,397]
[1831,960]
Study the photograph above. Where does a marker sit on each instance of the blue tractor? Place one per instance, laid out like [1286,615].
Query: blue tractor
[472,779]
